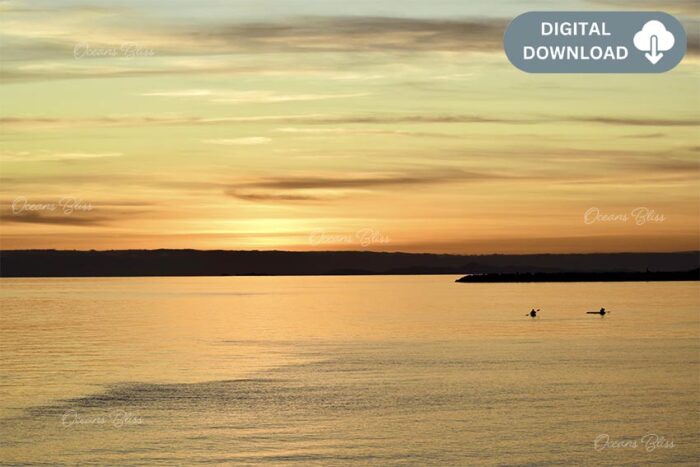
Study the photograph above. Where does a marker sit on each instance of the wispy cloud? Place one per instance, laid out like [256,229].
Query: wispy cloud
[181,93]
[119,121]
[14,6]
[249,141]
[301,34]
[324,34]
[324,187]
[325,119]
[258,196]
[635,121]
[38,217]
[250,97]
[358,181]
[271,97]
[41,156]
[51,38]
[361,132]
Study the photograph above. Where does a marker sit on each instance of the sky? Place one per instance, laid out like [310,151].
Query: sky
[332,125]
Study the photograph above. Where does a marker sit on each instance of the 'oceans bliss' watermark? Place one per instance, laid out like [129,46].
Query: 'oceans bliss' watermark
[66,205]
[128,50]
[649,442]
[363,237]
[115,418]
[639,216]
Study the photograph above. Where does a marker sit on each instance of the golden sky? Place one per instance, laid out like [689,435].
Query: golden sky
[321,125]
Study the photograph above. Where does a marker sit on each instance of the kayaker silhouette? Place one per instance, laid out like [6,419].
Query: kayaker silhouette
[533,313]
[602,312]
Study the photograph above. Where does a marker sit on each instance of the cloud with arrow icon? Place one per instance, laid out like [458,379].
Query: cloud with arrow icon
[654,38]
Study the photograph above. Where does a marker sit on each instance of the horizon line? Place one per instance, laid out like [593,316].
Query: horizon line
[348,251]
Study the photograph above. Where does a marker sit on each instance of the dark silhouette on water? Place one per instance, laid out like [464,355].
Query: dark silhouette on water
[533,313]
[648,276]
[601,312]
[69,263]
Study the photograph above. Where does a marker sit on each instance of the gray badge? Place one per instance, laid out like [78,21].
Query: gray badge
[595,42]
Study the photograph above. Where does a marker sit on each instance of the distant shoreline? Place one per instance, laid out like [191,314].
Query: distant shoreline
[648,276]
[212,263]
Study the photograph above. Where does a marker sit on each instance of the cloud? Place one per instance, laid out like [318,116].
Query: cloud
[49,61]
[353,181]
[326,34]
[93,68]
[251,97]
[361,132]
[325,119]
[7,6]
[646,135]
[42,156]
[39,217]
[52,122]
[270,97]
[180,93]
[330,187]
[689,169]
[50,39]
[274,197]
[250,141]
[7,203]
[632,121]
[42,182]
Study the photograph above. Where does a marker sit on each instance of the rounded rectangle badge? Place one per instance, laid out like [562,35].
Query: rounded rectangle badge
[595,42]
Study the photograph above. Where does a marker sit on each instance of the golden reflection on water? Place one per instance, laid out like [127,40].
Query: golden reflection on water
[384,370]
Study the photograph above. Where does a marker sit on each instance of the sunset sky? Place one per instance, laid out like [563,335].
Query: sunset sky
[296,124]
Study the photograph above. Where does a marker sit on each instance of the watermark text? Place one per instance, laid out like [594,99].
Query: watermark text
[649,442]
[67,205]
[639,216]
[116,419]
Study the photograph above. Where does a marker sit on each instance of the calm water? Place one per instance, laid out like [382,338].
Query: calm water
[347,370]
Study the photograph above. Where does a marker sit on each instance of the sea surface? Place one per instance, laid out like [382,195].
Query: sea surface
[386,370]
